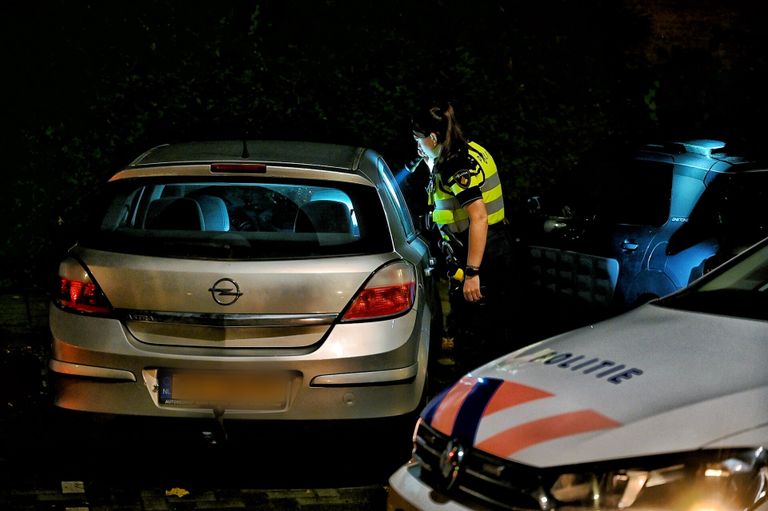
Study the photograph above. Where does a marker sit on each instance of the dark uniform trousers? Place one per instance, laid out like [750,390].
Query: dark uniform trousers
[482,330]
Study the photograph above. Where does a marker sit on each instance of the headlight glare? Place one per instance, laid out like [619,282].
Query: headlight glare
[707,481]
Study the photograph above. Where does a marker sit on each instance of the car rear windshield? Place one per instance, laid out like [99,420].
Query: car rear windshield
[238,219]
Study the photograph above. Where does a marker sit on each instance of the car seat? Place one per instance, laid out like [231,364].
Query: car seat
[178,213]
[324,216]
[215,214]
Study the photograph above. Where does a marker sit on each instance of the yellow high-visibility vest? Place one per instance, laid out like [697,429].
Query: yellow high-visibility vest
[455,181]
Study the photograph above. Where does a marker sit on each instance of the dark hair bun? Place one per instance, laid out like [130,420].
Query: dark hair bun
[429,119]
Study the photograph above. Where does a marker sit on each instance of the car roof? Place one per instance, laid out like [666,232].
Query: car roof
[311,154]
[705,154]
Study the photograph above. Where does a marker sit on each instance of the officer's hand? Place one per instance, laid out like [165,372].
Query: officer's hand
[472,289]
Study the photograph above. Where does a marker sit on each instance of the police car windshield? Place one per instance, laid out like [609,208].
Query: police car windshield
[738,288]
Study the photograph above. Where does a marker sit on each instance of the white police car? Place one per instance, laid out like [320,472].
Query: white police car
[662,407]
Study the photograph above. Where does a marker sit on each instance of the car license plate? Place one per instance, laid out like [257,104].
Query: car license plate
[210,389]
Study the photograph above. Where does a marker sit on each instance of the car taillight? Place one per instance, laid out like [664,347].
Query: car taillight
[78,292]
[391,291]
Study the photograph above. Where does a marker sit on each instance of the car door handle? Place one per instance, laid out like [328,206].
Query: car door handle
[629,245]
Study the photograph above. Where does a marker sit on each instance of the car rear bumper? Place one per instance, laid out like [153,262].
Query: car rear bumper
[97,367]
[304,403]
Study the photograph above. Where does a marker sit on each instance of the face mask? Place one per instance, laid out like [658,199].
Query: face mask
[426,148]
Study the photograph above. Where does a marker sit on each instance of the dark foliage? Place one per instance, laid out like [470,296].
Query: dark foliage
[94,84]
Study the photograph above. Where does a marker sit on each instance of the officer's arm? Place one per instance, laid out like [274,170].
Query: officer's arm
[478,233]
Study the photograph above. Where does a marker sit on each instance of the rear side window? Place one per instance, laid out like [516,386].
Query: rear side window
[238,219]
[620,191]
[389,184]
[637,193]
[731,210]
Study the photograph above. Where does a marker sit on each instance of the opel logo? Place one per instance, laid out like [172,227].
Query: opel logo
[225,291]
[450,463]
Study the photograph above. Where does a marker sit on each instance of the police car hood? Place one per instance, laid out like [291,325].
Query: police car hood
[651,381]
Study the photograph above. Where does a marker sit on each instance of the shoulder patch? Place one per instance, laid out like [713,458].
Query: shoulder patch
[463,179]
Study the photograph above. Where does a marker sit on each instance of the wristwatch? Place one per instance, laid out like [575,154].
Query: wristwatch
[471,271]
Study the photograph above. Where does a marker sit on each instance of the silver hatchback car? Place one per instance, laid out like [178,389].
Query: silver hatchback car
[246,280]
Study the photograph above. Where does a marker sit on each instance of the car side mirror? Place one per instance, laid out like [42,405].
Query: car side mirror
[534,205]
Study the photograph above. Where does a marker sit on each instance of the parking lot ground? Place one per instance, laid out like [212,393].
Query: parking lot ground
[81,496]
[64,461]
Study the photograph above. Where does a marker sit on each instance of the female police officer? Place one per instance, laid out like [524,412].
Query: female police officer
[467,203]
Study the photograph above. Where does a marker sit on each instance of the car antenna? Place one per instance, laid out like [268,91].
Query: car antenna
[245,154]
